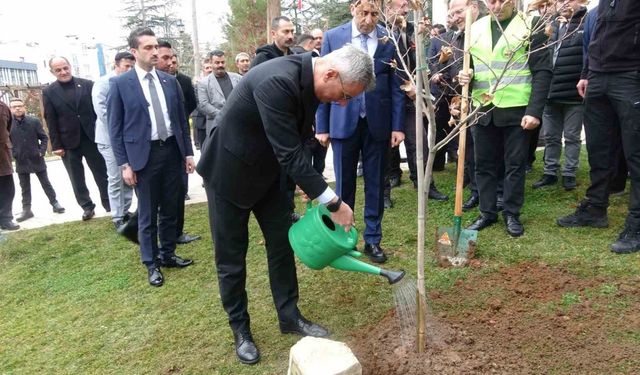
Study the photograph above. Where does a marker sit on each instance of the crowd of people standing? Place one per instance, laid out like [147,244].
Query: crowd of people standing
[265,130]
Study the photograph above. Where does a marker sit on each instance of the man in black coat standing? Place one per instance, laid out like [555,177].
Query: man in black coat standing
[71,120]
[29,147]
[259,135]
[168,63]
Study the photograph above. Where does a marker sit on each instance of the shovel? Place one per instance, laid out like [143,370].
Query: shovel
[456,246]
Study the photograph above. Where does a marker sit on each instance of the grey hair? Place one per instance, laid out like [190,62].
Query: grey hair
[354,66]
[241,55]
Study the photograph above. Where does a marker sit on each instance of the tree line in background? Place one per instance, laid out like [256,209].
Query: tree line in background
[246,24]
[160,16]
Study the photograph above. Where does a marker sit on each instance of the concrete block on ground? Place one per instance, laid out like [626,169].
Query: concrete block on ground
[317,356]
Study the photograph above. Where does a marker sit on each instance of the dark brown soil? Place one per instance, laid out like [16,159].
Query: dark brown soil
[527,319]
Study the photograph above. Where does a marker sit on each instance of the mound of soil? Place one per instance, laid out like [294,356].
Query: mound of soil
[527,319]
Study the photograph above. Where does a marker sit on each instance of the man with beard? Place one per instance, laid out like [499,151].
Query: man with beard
[71,120]
[214,90]
[282,34]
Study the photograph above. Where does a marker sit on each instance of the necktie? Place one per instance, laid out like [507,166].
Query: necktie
[363,42]
[157,108]
[363,45]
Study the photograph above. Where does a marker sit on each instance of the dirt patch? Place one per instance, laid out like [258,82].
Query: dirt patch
[527,319]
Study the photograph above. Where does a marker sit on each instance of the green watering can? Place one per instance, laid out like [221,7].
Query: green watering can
[319,242]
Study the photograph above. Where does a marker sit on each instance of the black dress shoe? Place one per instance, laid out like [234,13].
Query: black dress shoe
[471,203]
[303,327]
[514,226]
[569,183]
[88,214]
[130,229]
[57,208]
[482,222]
[9,225]
[246,349]
[388,203]
[545,180]
[436,195]
[186,238]
[24,215]
[175,262]
[375,253]
[187,197]
[155,276]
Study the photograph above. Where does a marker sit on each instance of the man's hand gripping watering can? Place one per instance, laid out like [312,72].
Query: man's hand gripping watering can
[319,242]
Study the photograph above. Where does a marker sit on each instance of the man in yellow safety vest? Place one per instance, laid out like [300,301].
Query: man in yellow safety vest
[510,82]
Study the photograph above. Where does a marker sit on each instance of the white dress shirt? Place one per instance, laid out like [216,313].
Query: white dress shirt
[144,82]
[372,40]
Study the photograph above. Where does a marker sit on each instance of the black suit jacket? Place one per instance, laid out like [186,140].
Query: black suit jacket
[29,144]
[190,101]
[261,129]
[67,120]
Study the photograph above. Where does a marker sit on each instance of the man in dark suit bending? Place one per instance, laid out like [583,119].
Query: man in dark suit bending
[258,135]
[150,141]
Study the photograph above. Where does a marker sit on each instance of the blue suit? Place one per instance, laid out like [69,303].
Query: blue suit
[351,135]
[159,165]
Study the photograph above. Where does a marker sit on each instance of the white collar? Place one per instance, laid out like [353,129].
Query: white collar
[142,74]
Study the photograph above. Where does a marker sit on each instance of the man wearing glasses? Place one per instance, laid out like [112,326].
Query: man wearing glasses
[368,124]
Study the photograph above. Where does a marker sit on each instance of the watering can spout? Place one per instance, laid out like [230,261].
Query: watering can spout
[392,276]
[349,263]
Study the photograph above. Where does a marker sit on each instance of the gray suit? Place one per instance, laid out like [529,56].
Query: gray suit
[211,98]
[120,194]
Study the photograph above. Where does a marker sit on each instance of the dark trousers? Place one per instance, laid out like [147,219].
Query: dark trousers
[72,161]
[158,189]
[230,232]
[492,146]
[25,186]
[393,163]
[7,192]
[613,98]
[619,170]
[374,162]
[201,134]
[442,129]
[410,144]
[318,154]
[470,164]
[533,145]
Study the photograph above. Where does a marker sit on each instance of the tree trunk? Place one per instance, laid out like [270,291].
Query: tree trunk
[273,11]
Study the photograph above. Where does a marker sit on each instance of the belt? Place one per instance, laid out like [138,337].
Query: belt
[160,142]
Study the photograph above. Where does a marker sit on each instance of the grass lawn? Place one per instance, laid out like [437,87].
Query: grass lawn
[75,300]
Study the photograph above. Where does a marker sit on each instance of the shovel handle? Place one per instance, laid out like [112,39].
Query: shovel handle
[464,110]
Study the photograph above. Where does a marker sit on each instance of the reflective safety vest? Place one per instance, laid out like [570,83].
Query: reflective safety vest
[509,56]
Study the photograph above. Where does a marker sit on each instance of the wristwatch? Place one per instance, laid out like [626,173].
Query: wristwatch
[335,206]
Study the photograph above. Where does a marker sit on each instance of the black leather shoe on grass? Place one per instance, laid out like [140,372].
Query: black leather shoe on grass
[375,253]
[628,242]
[482,222]
[513,225]
[303,327]
[155,276]
[246,348]
[585,215]
[546,180]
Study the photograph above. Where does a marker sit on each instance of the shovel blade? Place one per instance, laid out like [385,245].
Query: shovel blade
[454,248]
